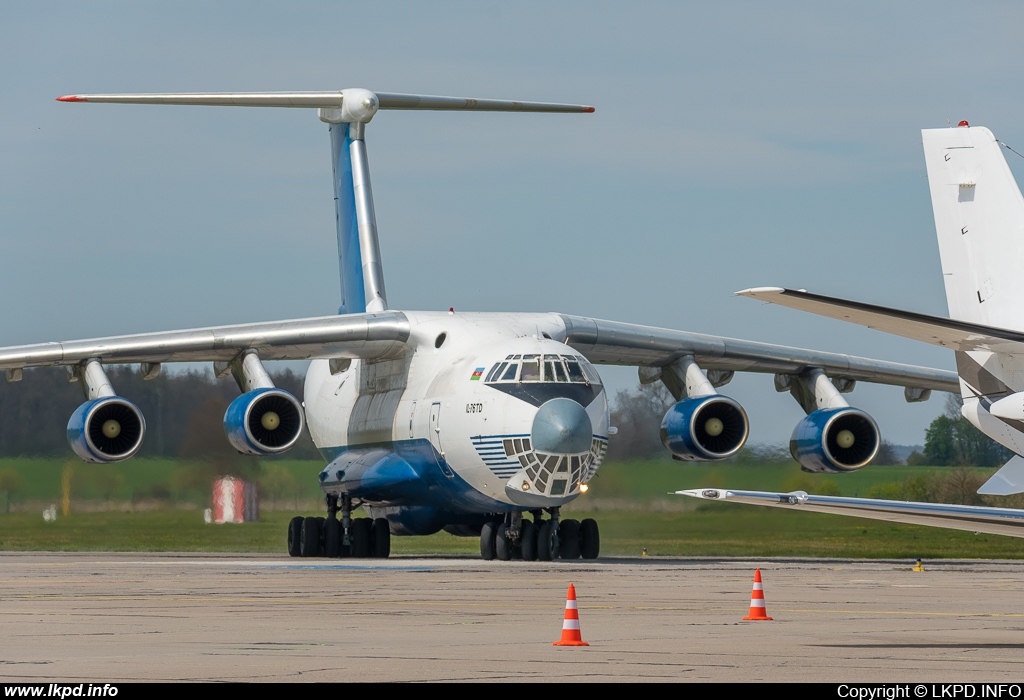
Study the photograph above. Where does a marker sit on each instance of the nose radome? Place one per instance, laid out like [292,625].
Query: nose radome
[561,426]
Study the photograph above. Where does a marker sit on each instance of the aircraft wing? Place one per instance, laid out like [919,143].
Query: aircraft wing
[366,336]
[615,343]
[947,332]
[995,521]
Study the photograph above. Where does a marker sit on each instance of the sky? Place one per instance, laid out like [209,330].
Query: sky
[735,144]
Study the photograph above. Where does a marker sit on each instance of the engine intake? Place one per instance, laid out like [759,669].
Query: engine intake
[263,422]
[705,428]
[105,430]
[833,441]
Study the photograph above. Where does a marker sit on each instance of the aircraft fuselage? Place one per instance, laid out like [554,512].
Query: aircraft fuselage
[485,413]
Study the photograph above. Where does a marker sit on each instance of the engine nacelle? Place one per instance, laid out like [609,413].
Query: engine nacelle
[104,430]
[705,428]
[263,422]
[836,440]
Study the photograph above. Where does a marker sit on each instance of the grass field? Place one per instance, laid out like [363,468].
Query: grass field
[709,530]
[630,500]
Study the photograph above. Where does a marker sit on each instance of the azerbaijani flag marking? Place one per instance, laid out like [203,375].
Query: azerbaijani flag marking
[477,374]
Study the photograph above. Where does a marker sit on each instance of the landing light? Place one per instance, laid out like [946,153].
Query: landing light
[526,486]
[584,488]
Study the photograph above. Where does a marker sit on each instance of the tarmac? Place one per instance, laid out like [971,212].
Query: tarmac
[114,617]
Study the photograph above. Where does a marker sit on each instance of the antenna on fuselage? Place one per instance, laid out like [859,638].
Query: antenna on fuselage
[347,112]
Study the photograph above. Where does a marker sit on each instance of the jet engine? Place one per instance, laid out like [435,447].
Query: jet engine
[104,430]
[704,428]
[834,441]
[263,422]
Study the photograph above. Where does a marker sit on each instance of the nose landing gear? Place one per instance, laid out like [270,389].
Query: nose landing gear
[543,540]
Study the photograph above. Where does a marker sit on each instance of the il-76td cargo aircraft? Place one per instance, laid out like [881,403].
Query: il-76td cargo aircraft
[979,220]
[443,420]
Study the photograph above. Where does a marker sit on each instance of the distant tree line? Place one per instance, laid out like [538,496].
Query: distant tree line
[184,413]
[952,441]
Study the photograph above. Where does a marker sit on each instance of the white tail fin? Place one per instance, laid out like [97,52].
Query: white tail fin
[979,219]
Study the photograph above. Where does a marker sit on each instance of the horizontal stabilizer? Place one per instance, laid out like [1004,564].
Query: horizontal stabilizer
[333,99]
[995,521]
[947,332]
[1007,481]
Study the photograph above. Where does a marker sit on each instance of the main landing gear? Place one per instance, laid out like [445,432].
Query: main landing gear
[540,540]
[360,538]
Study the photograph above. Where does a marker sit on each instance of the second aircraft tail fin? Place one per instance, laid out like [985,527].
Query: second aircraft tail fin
[979,220]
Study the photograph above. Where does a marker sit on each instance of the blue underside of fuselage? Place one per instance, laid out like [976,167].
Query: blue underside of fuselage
[409,482]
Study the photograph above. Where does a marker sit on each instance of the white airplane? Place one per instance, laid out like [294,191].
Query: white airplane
[979,220]
[443,420]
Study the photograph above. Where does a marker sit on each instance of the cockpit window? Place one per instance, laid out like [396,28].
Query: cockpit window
[560,369]
[495,372]
[575,373]
[554,370]
[531,369]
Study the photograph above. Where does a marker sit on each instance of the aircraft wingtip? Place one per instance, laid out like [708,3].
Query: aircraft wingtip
[71,98]
[589,110]
[759,291]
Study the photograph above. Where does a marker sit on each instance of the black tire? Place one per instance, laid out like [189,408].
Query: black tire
[528,541]
[360,536]
[502,544]
[295,536]
[569,539]
[332,538]
[310,541]
[380,538]
[546,541]
[487,533]
[590,539]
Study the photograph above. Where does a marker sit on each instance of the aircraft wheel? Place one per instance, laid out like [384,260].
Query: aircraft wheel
[360,536]
[528,541]
[309,545]
[487,533]
[295,536]
[546,541]
[502,543]
[332,538]
[590,539]
[569,539]
[380,538]
[322,522]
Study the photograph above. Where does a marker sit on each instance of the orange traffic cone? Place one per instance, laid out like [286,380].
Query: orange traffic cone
[571,623]
[757,609]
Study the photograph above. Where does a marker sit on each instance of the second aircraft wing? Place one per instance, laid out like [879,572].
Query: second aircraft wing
[996,521]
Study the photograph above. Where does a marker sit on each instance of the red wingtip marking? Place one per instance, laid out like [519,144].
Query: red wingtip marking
[71,98]
[588,110]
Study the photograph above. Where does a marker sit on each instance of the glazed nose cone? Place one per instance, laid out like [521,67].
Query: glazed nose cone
[561,426]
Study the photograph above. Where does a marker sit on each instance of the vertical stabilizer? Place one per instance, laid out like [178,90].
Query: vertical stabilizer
[979,219]
[353,297]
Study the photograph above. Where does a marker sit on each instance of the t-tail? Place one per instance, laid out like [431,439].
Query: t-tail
[347,112]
